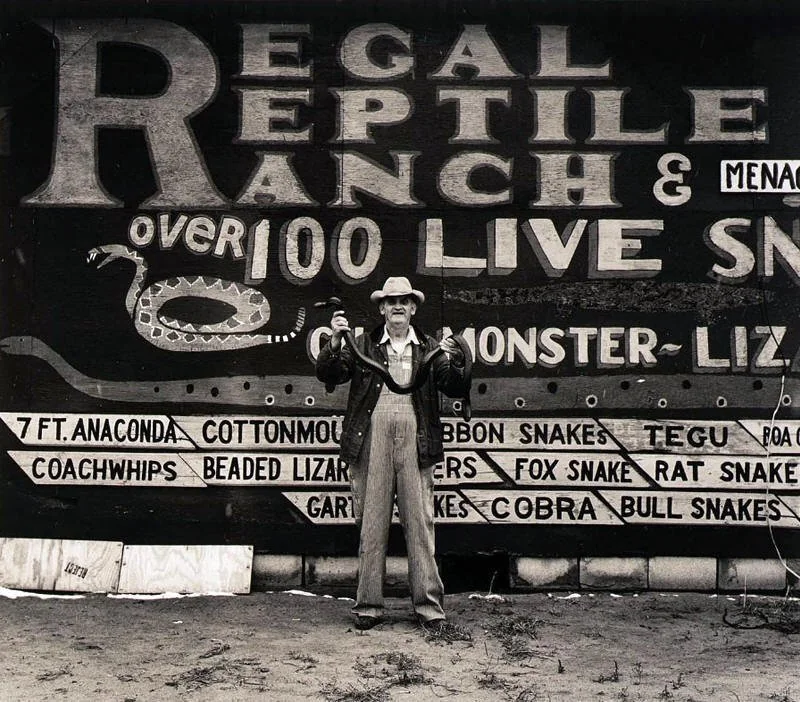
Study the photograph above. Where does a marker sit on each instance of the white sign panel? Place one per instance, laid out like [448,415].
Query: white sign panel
[113,430]
[554,469]
[106,468]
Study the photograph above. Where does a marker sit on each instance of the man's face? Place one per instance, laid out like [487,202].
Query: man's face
[398,310]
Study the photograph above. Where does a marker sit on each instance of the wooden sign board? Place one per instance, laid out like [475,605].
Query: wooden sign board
[703,509]
[541,507]
[775,435]
[186,569]
[60,565]
[567,468]
[465,468]
[254,432]
[318,469]
[449,507]
[776,473]
[262,469]
[683,436]
[534,433]
[101,430]
[119,469]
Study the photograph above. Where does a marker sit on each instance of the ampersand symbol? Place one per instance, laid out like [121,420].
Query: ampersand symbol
[679,194]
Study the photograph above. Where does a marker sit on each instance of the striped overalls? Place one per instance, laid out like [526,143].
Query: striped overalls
[389,466]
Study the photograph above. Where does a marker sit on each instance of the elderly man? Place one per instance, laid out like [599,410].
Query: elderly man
[391,442]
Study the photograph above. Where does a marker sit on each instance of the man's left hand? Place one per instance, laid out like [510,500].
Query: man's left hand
[453,350]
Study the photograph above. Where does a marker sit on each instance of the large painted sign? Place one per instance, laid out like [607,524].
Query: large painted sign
[603,203]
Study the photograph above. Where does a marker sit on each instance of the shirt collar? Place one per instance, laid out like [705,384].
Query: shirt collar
[412,336]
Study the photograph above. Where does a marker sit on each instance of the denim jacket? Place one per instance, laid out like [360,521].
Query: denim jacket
[365,387]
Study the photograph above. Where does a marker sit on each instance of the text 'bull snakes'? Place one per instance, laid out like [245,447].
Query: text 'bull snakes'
[237,331]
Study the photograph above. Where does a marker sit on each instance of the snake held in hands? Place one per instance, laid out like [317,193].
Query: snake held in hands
[236,331]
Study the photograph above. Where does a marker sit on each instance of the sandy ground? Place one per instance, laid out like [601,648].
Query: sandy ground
[279,646]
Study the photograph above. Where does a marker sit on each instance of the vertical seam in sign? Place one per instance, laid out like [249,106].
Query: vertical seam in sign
[119,568]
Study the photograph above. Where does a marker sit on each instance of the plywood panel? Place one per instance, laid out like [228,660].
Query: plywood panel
[154,569]
[60,565]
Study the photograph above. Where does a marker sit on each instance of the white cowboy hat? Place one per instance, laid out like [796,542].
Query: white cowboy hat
[397,286]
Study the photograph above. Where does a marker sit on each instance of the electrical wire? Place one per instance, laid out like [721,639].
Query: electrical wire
[773,419]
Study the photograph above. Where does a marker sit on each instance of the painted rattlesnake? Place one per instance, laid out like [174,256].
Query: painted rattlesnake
[237,331]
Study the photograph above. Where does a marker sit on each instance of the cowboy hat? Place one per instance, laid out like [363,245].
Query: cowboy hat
[397,286]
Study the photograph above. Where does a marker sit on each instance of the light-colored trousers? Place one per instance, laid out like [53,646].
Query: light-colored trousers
[389,466]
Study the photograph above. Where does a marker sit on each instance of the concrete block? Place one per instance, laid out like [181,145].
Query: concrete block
[751,575]
[342,571]
[277,571]
[614,573]
[682,573]
[331,571]
[544,573]
[793,577]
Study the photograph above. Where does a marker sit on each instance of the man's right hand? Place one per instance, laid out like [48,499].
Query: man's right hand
[339,325]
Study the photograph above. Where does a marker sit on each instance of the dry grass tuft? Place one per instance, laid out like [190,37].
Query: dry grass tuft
[301,657]
[782,696]
[333,693]
[195,678]
[237,673]
[448,633]
[54,674]
[515,635]
[783,616]
[217,649]
[489,680]
[516,626]
[609,677]
[394,668]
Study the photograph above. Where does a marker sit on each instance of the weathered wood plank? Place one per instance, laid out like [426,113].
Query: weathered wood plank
[186,569]
[60,565]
